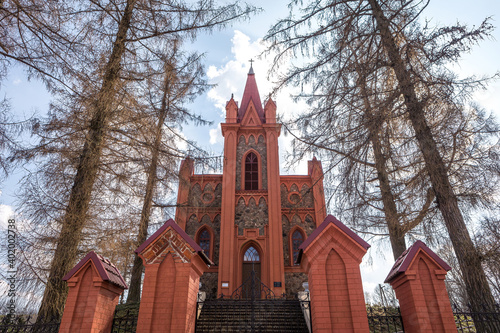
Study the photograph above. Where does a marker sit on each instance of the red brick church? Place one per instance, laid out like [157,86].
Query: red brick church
[253,224]
[251,216]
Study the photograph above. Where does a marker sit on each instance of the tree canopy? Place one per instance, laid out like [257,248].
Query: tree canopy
[379,86]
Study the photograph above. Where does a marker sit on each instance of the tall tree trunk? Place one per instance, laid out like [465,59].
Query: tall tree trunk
[396,234]
[74,219]
[478,290]
[134,294]
[374,124]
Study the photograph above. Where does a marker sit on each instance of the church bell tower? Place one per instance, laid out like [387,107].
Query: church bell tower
[251,232]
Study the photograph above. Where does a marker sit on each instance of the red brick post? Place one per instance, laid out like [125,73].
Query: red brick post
[174,264]
[331,256]
[418,279]
[95,286]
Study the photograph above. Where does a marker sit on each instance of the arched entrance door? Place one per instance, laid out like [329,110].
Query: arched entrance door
[251,273]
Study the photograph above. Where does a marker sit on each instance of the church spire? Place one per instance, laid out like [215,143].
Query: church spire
[251,93]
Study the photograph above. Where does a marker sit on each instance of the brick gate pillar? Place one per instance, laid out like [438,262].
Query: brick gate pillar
[418,279]
[174,264]
[331,256]
[95,286]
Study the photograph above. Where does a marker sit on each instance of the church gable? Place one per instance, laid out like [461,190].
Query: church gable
[251,118]
[252,202]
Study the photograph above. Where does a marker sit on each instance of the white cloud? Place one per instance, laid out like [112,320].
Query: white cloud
[17,82]
[215,135]
[230,79]
[374,269]
[212,72]
[6,212]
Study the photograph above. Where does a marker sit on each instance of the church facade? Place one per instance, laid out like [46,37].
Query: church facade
[253,222]
[251,217]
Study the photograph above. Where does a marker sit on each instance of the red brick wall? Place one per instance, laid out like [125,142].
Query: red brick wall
[164,295]
[338,292]
[337,300]
[90,304]
[169,296]
[424,302]
[320,300]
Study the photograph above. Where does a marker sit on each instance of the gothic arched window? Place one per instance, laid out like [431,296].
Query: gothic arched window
[251,255]
[251,172]
[204,241]
[297,240]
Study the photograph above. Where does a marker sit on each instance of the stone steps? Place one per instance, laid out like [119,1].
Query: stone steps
[244,316]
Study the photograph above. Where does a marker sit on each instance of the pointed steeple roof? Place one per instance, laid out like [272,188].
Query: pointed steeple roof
[251,93]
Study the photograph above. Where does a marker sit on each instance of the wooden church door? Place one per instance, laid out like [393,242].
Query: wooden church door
[251,263]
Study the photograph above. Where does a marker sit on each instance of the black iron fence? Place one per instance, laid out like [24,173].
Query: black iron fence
[27,324]
[380,319]
[383,319]
[125,319]
[468,321]
[388,319]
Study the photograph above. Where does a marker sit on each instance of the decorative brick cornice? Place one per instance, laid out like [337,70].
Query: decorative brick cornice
[247,195]
[168,242]
[106,270]
[289,213]
[170,238]
[212,212]
[225,127]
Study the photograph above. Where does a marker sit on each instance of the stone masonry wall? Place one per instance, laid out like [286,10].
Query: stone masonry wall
[294,198]
[208,280]
[293,284]
[209,284]
[251,216]
[207,197]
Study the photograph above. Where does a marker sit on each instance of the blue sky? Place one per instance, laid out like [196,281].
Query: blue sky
[227,55]
[228,52]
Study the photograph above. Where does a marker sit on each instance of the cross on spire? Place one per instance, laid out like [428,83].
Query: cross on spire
[251,67]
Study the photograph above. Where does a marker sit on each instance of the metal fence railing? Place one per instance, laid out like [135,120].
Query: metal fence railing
[468,321]
[380,319]
[383,319]
[125,319]
[28,324]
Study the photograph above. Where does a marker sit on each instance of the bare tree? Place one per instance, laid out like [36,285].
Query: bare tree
[488,243]
[182,81]
[388,37]
[97,46]
[384,295]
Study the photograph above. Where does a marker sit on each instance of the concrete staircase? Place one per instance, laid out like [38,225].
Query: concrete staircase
[225,315]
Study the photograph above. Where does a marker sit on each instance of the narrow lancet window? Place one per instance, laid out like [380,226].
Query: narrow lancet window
[297,240]
[251,172]
[204,242]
